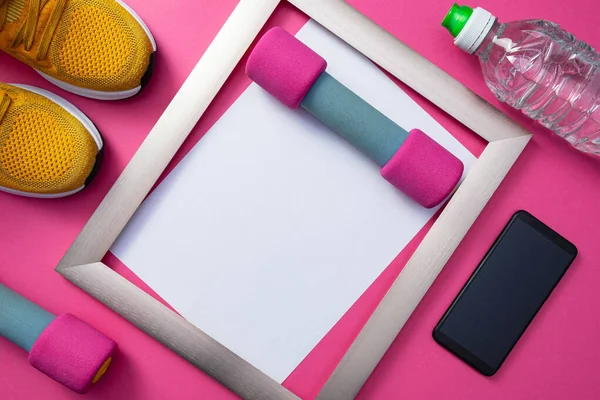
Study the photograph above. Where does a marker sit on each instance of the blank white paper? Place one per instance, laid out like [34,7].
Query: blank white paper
[272,226]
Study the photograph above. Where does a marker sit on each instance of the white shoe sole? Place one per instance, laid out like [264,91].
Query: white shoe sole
[141,22]
[97,94]
[81,117]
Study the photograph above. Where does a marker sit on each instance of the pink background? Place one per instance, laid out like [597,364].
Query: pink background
[556,358]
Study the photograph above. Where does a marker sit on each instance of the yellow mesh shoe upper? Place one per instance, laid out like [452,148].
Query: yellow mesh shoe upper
[92,44]
[44,149]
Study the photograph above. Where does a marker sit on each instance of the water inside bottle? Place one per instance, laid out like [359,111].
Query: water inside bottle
[544,71]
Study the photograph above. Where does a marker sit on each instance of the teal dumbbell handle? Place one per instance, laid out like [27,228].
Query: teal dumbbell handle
[21,321]
[354,119]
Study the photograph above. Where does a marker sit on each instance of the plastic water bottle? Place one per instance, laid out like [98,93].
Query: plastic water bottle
[537,67]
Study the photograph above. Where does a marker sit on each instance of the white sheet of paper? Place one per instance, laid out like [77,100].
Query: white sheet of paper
[272,226]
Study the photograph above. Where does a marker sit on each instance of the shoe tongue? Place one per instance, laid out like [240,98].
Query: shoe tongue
[14,10]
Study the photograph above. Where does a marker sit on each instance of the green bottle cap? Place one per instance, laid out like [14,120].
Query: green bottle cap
[457,18]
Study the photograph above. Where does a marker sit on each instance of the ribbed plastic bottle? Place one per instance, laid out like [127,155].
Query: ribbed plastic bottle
[538,68]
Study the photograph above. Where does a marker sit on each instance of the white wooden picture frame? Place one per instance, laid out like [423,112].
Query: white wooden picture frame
[82,263]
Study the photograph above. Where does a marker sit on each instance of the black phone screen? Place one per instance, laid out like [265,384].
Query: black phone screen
[504,293]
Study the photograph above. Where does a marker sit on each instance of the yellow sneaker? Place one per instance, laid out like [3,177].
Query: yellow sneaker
[94,48]
[48,148]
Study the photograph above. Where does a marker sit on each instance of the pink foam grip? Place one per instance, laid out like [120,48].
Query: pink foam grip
[423,170]
[284,66]
[71,352]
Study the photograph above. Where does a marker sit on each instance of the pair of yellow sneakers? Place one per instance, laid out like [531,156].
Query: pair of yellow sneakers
[94,48]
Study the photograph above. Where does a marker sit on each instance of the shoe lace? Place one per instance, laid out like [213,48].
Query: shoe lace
[27,30]
[4,104]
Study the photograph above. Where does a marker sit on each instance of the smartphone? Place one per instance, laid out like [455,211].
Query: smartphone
[505,292]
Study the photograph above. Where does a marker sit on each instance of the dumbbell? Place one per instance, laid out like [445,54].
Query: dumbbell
[411,161]
[65,348]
